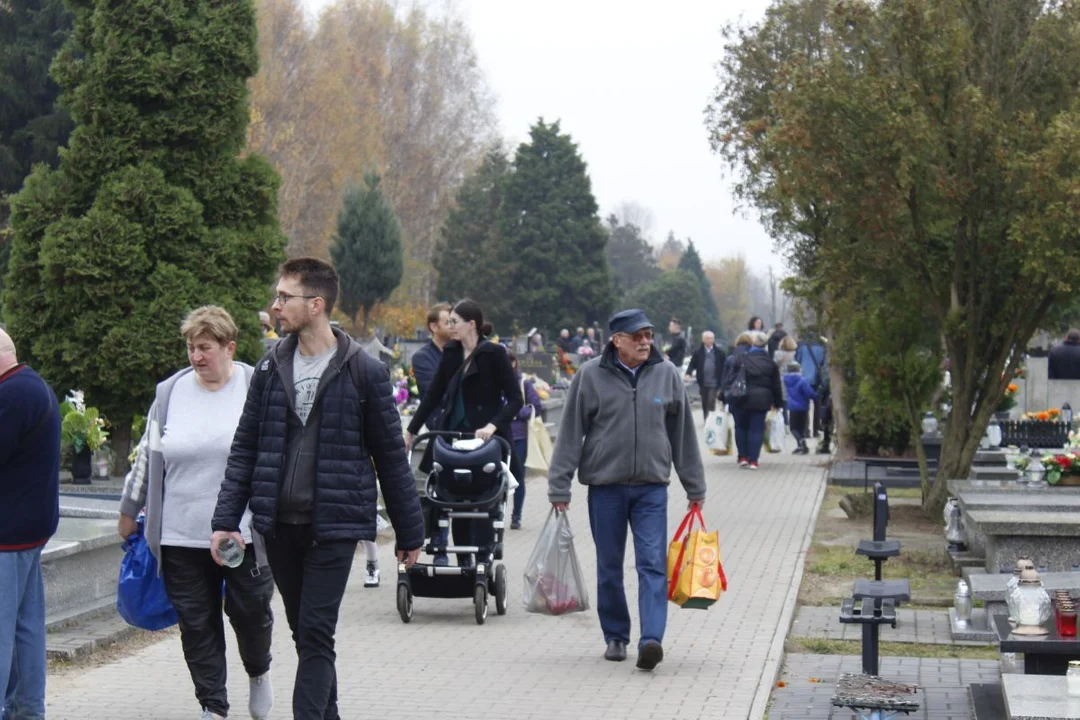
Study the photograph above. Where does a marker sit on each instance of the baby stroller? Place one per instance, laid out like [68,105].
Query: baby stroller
[462,485]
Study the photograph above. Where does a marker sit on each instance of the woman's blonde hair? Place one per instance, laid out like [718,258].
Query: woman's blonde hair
[758,338]
[209,321]
[743,339]
[788,344]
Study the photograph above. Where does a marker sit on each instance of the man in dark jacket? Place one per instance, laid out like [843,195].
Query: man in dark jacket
[29,496]
[677,350]
[1064,360]
[707,364]
[320,418]
[425,361]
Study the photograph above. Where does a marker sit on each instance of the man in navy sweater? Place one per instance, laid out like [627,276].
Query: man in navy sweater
[29,496]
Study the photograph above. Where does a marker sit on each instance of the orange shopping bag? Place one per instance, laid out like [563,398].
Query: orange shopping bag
[695,574]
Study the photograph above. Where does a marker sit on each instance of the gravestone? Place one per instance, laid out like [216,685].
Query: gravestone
[542,365]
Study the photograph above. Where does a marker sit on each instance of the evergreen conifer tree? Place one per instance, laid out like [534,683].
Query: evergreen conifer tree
[32,125]
[152,212]
[367,250]
[691,262]
[549,220]
[473,258]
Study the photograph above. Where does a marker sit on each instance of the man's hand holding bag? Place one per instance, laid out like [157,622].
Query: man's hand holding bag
[695,574]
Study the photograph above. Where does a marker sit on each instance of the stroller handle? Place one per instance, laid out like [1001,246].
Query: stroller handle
[454,435]
[464,505]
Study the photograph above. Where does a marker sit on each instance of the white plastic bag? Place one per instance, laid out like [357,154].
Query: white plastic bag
[775,431]
[554,584]
[718,432]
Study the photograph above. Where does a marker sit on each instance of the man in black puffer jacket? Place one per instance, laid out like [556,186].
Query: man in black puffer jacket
[319,419]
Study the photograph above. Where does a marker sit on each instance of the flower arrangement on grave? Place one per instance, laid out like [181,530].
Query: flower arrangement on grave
[1008,400]
[81,428]
[1061,465]
[565,364]
[1051,415]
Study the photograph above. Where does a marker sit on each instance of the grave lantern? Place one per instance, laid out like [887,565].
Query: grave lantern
[1066,414]
[1036,471]
[962,604]
[993,433]
[954,525]
[929,424]
[1033,606]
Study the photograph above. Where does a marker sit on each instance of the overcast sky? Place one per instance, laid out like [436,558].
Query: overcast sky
[629,80]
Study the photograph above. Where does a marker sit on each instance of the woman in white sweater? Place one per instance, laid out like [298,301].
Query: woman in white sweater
[178,469]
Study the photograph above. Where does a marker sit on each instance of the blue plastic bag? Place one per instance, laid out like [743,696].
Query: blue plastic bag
[140,593]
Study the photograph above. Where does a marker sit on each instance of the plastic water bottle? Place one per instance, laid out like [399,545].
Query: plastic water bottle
[231,554]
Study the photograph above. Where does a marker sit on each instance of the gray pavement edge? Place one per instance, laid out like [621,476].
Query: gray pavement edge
[774,663]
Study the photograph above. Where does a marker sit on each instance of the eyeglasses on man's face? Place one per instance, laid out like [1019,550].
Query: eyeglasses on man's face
[282,298]
[640,336]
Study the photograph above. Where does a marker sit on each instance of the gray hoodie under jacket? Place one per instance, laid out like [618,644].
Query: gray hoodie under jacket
[617,428]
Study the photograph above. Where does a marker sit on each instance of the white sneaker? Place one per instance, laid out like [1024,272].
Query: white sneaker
[260,696]
[207,715]
[372,577]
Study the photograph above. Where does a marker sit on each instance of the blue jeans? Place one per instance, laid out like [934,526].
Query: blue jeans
[749,432]
[22,635]
[644,509]
[517,466]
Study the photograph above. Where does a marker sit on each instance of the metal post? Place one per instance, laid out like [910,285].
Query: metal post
[870,648]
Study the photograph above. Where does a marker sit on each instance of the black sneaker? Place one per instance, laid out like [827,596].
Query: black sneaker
[515,524]
[650,655]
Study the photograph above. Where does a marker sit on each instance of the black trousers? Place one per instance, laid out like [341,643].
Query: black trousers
[311,578]
[799,422]
[708,400]
[193,583]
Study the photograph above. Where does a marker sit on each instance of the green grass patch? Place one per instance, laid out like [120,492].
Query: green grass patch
[814,646]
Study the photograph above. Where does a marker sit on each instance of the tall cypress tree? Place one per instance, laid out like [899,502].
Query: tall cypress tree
[472,257]
[32,125]
[691,262]
[549,220]
[152,211]
[367,250]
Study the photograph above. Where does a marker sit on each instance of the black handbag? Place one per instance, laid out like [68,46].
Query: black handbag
[737,389]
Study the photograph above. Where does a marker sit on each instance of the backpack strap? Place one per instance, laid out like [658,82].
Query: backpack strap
[358,375]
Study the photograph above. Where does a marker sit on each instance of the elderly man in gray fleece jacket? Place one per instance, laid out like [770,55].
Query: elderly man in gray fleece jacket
[627,419]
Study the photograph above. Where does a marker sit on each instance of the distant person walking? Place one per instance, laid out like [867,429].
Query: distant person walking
[425,361]
[1064,360]
[189,432]
[775,337]
[799,395]
[623,450]
[520,431]
[30,498]
[764,391]
[707,364]
[755,323]
[677,351]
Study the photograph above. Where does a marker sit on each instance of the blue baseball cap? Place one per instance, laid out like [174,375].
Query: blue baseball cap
[628,321]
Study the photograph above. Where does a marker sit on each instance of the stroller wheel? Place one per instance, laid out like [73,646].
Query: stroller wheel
[480,600]
[500,589]
[404,602]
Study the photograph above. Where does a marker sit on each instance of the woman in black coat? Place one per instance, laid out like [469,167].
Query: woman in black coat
[764,391]
[478,391]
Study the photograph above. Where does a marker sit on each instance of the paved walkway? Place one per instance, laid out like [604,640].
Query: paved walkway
[719,663]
